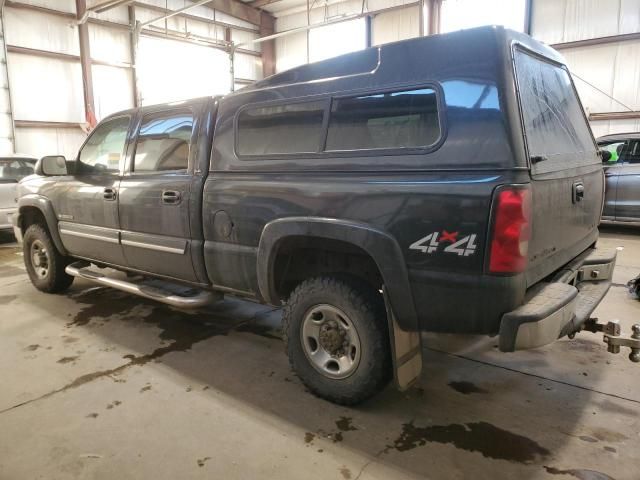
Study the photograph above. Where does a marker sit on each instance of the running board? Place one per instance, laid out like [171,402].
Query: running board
[201,299]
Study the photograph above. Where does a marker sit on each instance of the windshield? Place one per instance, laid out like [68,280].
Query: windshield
[14,169]
[558,136]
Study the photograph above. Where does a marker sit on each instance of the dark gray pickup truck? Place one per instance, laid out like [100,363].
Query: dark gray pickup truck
[442,184]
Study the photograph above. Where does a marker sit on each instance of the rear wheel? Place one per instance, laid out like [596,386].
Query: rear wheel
[45,265]
[336,336]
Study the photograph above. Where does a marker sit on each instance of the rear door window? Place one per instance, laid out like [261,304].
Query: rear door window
[557,133]
[163,142]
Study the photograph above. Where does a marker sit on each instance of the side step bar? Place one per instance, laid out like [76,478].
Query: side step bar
[201,299]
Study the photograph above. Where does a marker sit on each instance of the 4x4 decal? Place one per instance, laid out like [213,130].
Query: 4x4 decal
[463,247]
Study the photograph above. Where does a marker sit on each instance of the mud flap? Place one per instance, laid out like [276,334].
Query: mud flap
[406,350]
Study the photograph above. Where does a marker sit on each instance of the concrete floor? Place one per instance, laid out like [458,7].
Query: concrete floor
[99,384]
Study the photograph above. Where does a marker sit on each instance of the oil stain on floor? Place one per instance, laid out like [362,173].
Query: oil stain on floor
[482,437]
[466,387]
[5,299]
[580,474]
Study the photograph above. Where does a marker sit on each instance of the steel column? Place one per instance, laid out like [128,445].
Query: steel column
[85,63]
[134,37]
[267,26]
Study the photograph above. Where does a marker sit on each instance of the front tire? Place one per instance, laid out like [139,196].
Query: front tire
[337,340]
[45,265]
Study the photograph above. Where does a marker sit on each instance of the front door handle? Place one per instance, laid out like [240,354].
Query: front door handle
[171,197]
[110,193]
[578,192]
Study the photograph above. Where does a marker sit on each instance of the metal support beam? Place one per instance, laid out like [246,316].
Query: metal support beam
[36,52]
[528,12]
[631,115]
[108,5]
[85,64]
[36,8]
[237,9]
[58,13]
[262,3]
[101,7]
[196,18]
[134,37]
[624,37]
[41,124]
[267,27]
[173,13]
[368,31]
[434,7]
[42,53]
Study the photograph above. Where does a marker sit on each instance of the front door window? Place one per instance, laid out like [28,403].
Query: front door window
[104,149]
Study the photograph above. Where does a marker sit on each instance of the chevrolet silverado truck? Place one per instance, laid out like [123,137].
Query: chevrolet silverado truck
[441,184]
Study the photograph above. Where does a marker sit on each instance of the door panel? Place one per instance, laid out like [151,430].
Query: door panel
[155,235]
[155,194]
[628,193]
[86,202]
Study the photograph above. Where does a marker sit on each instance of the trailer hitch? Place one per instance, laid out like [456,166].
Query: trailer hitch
[615,338]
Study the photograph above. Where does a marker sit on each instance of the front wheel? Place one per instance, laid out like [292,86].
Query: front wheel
[45,265]
[337,339]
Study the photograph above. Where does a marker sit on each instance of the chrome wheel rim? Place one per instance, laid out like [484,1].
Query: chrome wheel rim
[39,259]
[330,341]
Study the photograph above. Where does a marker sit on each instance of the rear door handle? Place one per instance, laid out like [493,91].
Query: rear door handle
[578,192]
[171,197]
[110,193]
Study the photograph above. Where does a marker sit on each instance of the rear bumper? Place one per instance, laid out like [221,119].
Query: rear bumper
[559,307]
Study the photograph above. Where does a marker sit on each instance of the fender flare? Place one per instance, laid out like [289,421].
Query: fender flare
[46,208]
[382,247]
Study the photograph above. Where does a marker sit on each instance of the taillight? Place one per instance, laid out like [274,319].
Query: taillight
[511,230]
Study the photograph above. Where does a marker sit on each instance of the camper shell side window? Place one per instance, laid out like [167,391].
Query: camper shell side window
[393,121]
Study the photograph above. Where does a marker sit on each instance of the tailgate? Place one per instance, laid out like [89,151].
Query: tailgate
[567,180]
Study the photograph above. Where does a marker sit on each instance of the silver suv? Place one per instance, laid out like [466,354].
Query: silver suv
[622,173]
[12,170]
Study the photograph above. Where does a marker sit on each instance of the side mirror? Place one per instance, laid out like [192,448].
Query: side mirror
[52,165]
[605,155]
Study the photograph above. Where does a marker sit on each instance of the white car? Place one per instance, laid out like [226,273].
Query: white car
[13,168]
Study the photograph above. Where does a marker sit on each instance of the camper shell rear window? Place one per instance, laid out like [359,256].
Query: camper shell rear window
[556,130]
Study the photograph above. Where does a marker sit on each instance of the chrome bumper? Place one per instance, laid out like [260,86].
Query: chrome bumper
[559,307]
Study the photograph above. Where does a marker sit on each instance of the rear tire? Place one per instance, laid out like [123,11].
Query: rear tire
[336,337]
[45,265]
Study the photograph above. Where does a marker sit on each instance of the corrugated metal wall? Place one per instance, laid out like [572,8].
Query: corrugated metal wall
[178,58]
[387,26]
[6,115]
[44,43]
[603,70]
[45,77]
[325,42]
